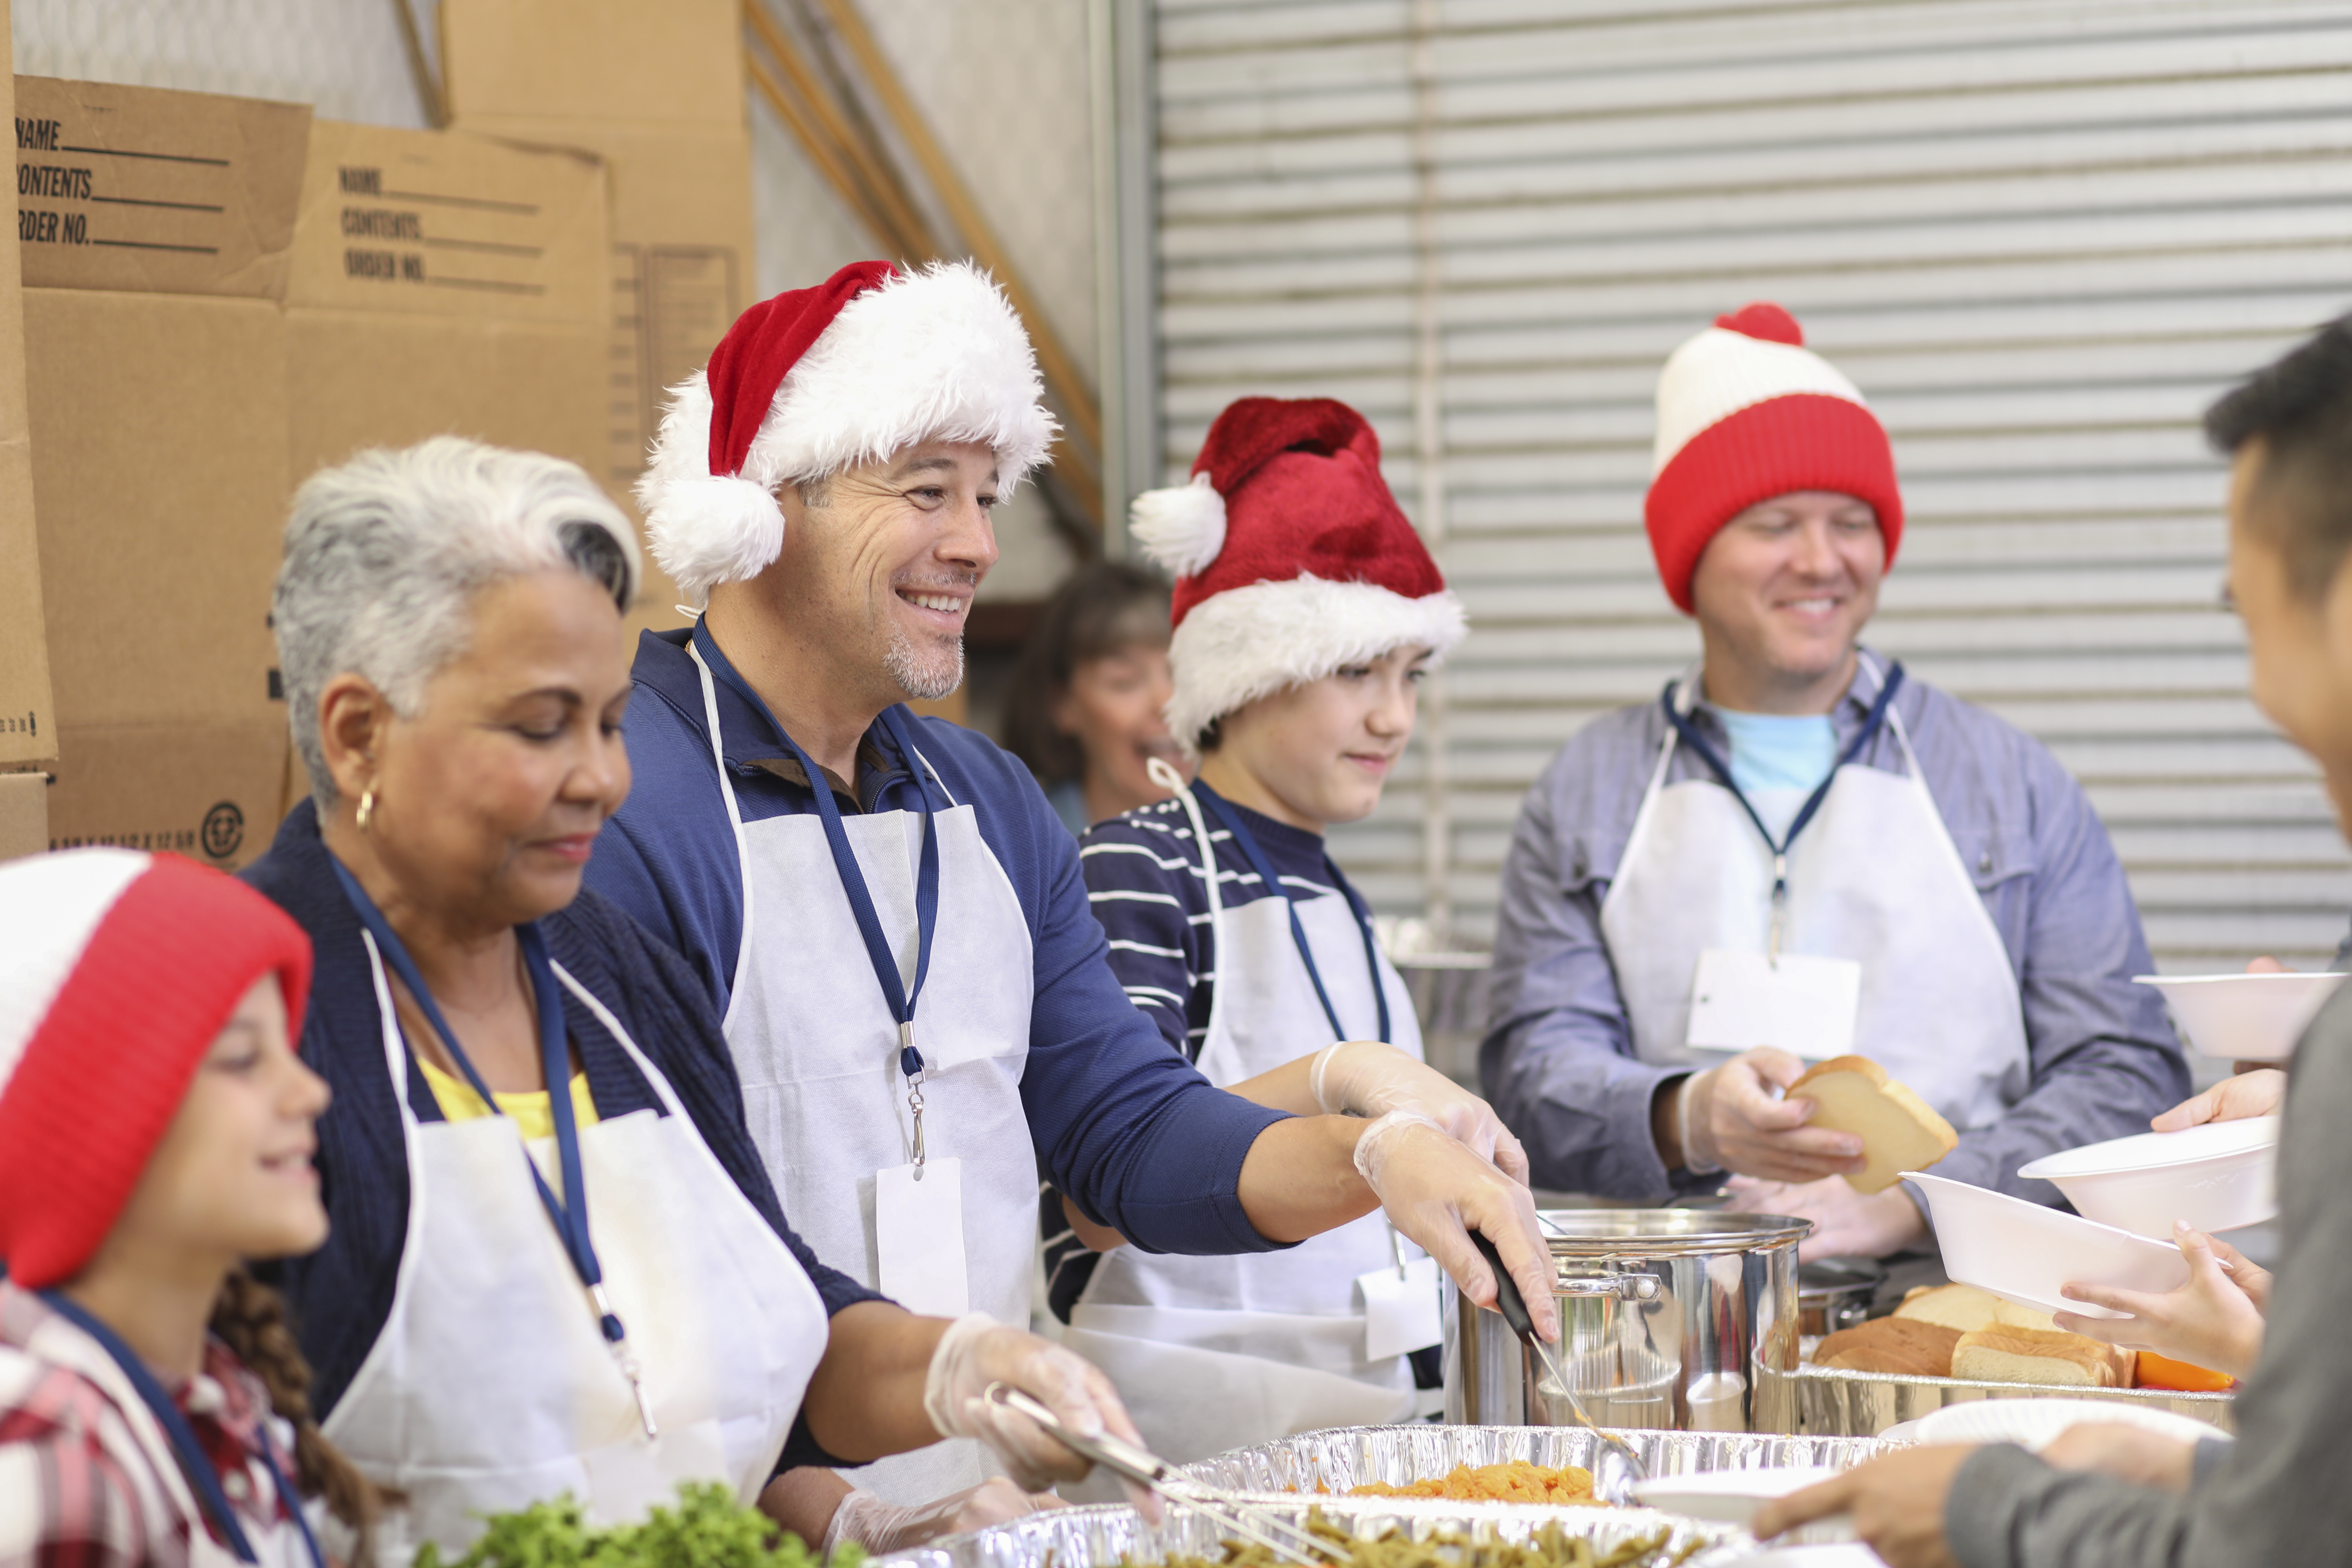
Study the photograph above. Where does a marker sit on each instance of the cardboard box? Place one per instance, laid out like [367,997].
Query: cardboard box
[442,282]
[666,87]
[23,815]
[154,231]
[28,718]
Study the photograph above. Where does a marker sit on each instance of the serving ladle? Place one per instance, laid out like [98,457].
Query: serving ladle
[1616,1466]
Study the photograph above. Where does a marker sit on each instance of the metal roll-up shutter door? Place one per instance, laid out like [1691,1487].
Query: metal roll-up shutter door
[2041,236]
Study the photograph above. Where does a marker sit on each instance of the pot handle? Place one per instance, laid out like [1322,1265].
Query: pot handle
[1623,1287]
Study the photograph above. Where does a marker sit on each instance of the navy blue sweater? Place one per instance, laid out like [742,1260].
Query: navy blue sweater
[1126,1126]
[340,1295]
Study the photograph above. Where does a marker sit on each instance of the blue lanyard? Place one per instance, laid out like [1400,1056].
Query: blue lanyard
[568,1214]
[1246,842]
[194,1464]
[1872,724]
[900,998]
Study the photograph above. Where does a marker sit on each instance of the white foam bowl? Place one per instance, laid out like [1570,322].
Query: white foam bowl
[2218,1176]
[2244,1018]
[2033,1424]
[2024,1252]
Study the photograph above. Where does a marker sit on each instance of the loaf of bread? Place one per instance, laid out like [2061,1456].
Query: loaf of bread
[1899,1130]
[2001,1354]
[1903,1346]
[1968,1308]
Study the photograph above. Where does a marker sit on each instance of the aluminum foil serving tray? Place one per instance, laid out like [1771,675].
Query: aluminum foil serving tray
[1344,1457]
[1104,1535]
[1832,1402]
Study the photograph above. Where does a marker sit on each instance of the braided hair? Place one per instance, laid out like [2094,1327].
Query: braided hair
[250,1319]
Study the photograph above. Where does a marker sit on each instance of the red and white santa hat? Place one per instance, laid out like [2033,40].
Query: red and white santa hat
[819,380]
[117,972]
[1745,412]
[1291,559]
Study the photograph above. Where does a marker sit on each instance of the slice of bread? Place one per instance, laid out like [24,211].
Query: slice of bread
[1967,1307]
[1899,1130]
[2006,1354]
[1903,1346]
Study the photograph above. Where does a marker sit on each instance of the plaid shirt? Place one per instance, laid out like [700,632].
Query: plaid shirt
[79,1488]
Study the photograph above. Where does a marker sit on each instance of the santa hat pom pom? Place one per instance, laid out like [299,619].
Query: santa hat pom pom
[1182,528]
[707,531]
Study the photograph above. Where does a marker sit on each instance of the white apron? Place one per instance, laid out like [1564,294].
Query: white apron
[491,1388]
[817,1049]
[1875,878]
[1211,1353]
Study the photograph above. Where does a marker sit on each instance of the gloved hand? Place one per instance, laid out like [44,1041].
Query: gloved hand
[977,1351]
[1436,1191]
[880,1526]
[1372,1078]
[1730,1117]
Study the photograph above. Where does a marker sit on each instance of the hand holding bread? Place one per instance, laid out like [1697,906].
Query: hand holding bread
[1736,1118]
[1897,1131]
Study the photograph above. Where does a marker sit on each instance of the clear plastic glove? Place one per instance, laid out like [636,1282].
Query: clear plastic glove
[2131,1454]
[1372,1078]
[2257,1093]
[880,1526]
[1732,1117]
[1846,1224]
[2213,1321]
[1435,1192]
[977,1351]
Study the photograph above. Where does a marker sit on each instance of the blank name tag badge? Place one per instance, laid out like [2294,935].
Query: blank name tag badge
[918,1238]
[1803,1005]
[1400,1309]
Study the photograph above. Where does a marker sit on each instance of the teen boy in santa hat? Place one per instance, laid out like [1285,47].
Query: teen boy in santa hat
[1305,611]
[1798,852]
[911,982]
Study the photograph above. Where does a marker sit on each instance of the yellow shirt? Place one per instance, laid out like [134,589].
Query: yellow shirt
[528,1113]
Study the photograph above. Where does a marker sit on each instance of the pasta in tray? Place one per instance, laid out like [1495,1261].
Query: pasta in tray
[1551,1547]
[1513,1481]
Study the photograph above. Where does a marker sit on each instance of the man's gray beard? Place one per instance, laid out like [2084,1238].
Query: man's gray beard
[926,680]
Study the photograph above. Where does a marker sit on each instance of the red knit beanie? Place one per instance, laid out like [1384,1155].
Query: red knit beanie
[117,972]
[1745,412]
[1292,558]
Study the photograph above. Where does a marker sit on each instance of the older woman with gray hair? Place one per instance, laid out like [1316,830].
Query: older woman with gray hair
[557,1264]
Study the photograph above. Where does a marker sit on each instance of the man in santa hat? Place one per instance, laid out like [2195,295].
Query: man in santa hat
[909,977]
[1798,853]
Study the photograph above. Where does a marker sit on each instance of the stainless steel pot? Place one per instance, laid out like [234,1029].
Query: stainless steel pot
[1680,1319]
[1836,1294]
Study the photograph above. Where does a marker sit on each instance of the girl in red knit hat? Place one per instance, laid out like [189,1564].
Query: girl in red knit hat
[1305,611]
[155,1129]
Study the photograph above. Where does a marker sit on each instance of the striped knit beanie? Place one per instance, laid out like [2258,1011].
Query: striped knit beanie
[1745,412]
[117,972]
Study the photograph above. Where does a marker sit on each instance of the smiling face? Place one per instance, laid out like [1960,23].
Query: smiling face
[488,799]
[1783,593]
[1319,752]
[1114,708]
[880,574]
[232,1177]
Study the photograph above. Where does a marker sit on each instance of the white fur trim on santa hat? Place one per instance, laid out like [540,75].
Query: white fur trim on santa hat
[1182,528]
[933,355]
[1719,371]
[1236,646]
[53,907]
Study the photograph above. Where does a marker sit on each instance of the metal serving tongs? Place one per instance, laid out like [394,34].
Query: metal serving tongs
[1616,1466]
[1146,1469]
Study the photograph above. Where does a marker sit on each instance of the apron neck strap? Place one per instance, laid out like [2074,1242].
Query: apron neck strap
[1246,842]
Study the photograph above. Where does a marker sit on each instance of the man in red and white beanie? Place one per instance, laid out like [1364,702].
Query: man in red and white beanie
[913,987]
[1799,854]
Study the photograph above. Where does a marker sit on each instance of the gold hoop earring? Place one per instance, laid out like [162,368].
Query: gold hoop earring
[367,806]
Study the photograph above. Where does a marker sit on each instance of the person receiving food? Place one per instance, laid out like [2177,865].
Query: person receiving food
[557,1262]
[912,984]
[1306,611]
[1086,707]
[155,1131]
[2102,1495]
[1799,852]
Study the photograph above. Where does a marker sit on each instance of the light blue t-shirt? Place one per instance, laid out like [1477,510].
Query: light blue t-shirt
[1777,759]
